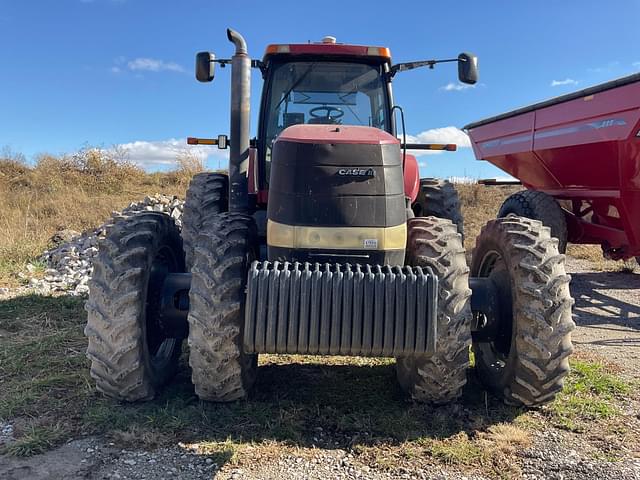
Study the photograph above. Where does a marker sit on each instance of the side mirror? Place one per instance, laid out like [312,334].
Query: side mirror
[205,66]
[468,68]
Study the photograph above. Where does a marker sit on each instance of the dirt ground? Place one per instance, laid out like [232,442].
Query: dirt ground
[607,314]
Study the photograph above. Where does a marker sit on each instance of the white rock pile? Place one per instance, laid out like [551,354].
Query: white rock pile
[69,265]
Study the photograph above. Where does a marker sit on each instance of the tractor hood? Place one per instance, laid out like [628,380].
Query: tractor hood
[334,134]
[336,191]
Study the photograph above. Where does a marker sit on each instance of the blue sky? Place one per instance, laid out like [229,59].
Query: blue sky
[105,72]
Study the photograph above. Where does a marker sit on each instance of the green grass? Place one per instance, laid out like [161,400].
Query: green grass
[591,393]
[42,362]
[37,439]
[313,402]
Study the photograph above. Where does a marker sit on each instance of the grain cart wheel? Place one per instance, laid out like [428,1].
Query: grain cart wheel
[439,198]
[221,372]
[130,355]
[439,378]
[523,341]
[538,206]
[207,196]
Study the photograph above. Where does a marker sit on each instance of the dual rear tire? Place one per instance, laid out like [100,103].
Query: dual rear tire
[439,378]
[206,197]
[526,362]
[538,206]
[224,250]
[439,198]
[522,352]
[131,357]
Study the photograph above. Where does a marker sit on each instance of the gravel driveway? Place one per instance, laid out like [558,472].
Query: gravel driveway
[607,312]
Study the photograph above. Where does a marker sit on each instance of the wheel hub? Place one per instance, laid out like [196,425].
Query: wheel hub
[166,309]
[491,303]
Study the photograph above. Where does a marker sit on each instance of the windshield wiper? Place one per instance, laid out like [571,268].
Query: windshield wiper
[349,106]
[295,84]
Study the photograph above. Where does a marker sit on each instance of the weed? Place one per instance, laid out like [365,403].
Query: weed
[37,439]
[456,450]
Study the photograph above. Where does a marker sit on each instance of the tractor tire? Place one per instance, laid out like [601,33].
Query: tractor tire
[538,206]
[526,359]
[130,357]
[207,196]
[439,378]
[221,372]
[439,198]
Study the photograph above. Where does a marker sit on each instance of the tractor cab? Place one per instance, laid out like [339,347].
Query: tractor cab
[323,84]
[320,83]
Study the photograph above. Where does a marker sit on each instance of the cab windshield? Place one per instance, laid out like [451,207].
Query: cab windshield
[330,93]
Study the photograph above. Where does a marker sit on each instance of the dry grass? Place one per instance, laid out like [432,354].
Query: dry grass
[189,163]
[480,203]
[78,192]
[507,437]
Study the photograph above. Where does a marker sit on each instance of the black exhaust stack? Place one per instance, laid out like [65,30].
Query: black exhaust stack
[239,128]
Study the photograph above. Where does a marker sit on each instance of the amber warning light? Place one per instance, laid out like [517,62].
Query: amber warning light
[222,141]
[449,147]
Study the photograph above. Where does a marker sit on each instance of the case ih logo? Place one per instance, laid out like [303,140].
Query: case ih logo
[357,172]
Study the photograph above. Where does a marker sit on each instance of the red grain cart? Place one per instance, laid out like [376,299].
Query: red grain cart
[578,155]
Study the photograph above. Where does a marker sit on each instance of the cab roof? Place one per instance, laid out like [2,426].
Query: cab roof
[327,47]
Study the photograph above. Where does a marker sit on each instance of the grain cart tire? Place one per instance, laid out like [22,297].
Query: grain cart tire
[439,378]
[525,359]
[538,206]
[130,356]
[439,198]
[221,372]
[207,196]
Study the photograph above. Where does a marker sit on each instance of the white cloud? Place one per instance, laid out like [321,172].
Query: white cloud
[445,135]
[153,155]
[115,69]
[566,81]
[162,154]
[636,64]
[608,68]
[456,87]
[153,65]
[439,135]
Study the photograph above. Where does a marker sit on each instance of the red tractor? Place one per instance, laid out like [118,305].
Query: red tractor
[322,240]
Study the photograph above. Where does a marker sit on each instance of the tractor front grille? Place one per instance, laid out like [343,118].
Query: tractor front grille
[340,309]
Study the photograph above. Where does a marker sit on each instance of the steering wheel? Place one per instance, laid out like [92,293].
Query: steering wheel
[328,110]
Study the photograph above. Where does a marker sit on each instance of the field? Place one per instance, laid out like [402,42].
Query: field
[317,417]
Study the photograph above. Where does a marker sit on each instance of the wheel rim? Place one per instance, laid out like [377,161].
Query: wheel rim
[495,352]
[160,347]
